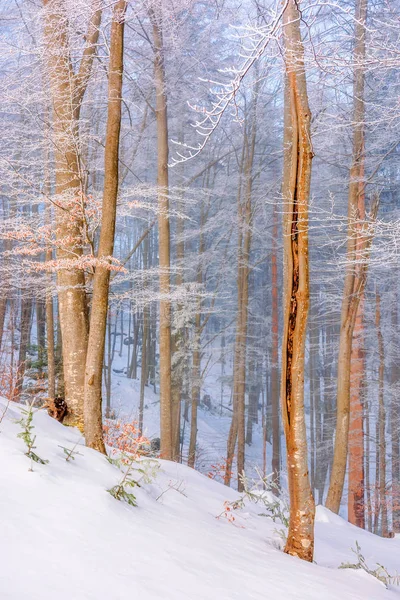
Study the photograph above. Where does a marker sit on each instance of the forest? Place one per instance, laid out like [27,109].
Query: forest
[199,257]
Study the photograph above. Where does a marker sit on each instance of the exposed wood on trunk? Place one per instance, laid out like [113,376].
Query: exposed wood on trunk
[296,188]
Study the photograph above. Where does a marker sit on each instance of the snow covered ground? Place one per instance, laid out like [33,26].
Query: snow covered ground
[63,537]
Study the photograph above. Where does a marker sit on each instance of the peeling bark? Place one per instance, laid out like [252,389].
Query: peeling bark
[296,188]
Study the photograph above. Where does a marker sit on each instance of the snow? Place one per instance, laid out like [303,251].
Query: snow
[63,537]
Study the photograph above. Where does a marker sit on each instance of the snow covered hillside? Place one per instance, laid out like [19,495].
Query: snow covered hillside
[63,537]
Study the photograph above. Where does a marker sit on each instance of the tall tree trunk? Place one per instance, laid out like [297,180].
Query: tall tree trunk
[145,335]
[296,188]
[41,331]
[274,400]
[26,324]
[356,510]
[67,91]
[382,423]
[166,425]
[3,310]
[101,281]
[395,418]
[196,364]
[350,297]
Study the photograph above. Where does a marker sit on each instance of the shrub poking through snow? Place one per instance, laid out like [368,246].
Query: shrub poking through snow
[124,436]
[259,492]
[127,448]
[134,473]
[71,452]
[218,470]
[26,423]
[379,573]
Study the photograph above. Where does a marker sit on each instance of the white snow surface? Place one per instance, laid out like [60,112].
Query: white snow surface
[63,537]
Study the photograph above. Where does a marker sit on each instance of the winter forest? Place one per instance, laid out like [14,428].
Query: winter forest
[199,301]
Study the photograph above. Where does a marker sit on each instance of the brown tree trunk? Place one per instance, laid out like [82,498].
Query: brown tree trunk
[356,510]
[350,297]
[196,364]
[101,281]
[381,484]
[296,188]
[238,425]
[26,324]
[274,400]
[395,419]
[196,377]
[145,335]
[67,91]
[3,310]
[166,426]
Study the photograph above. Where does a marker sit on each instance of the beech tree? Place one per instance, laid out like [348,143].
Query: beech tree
[298,155]
[101,280]
[67,91]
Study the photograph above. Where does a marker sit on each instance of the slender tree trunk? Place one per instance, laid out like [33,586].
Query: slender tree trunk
[356,510]
[3,310]
[166,426]
[26,324]
[395,420]
[367,460]
[274,400]
[51,361]
[296,188]
[146,318]
[352,283]
[196,364]
[196,377]
[382,423]
[101,282]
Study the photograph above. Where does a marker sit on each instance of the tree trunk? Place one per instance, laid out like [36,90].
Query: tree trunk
[196,365]
[166,433]
[382,423]
[395,420]
[296,188]
[67,91]
[26,324]
[350,297]
[101,281]
[356,509]
[145,335]
[274,400]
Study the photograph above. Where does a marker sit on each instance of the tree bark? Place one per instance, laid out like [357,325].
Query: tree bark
[274,400]
[350,297]
[166,425]
[381,484]
[67,91]
[395,420]
[296,188]
[26,324]
[101,281]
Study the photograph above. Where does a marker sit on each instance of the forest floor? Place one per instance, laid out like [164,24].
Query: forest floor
[64,537]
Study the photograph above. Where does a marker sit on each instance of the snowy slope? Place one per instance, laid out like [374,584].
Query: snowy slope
[63,537]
